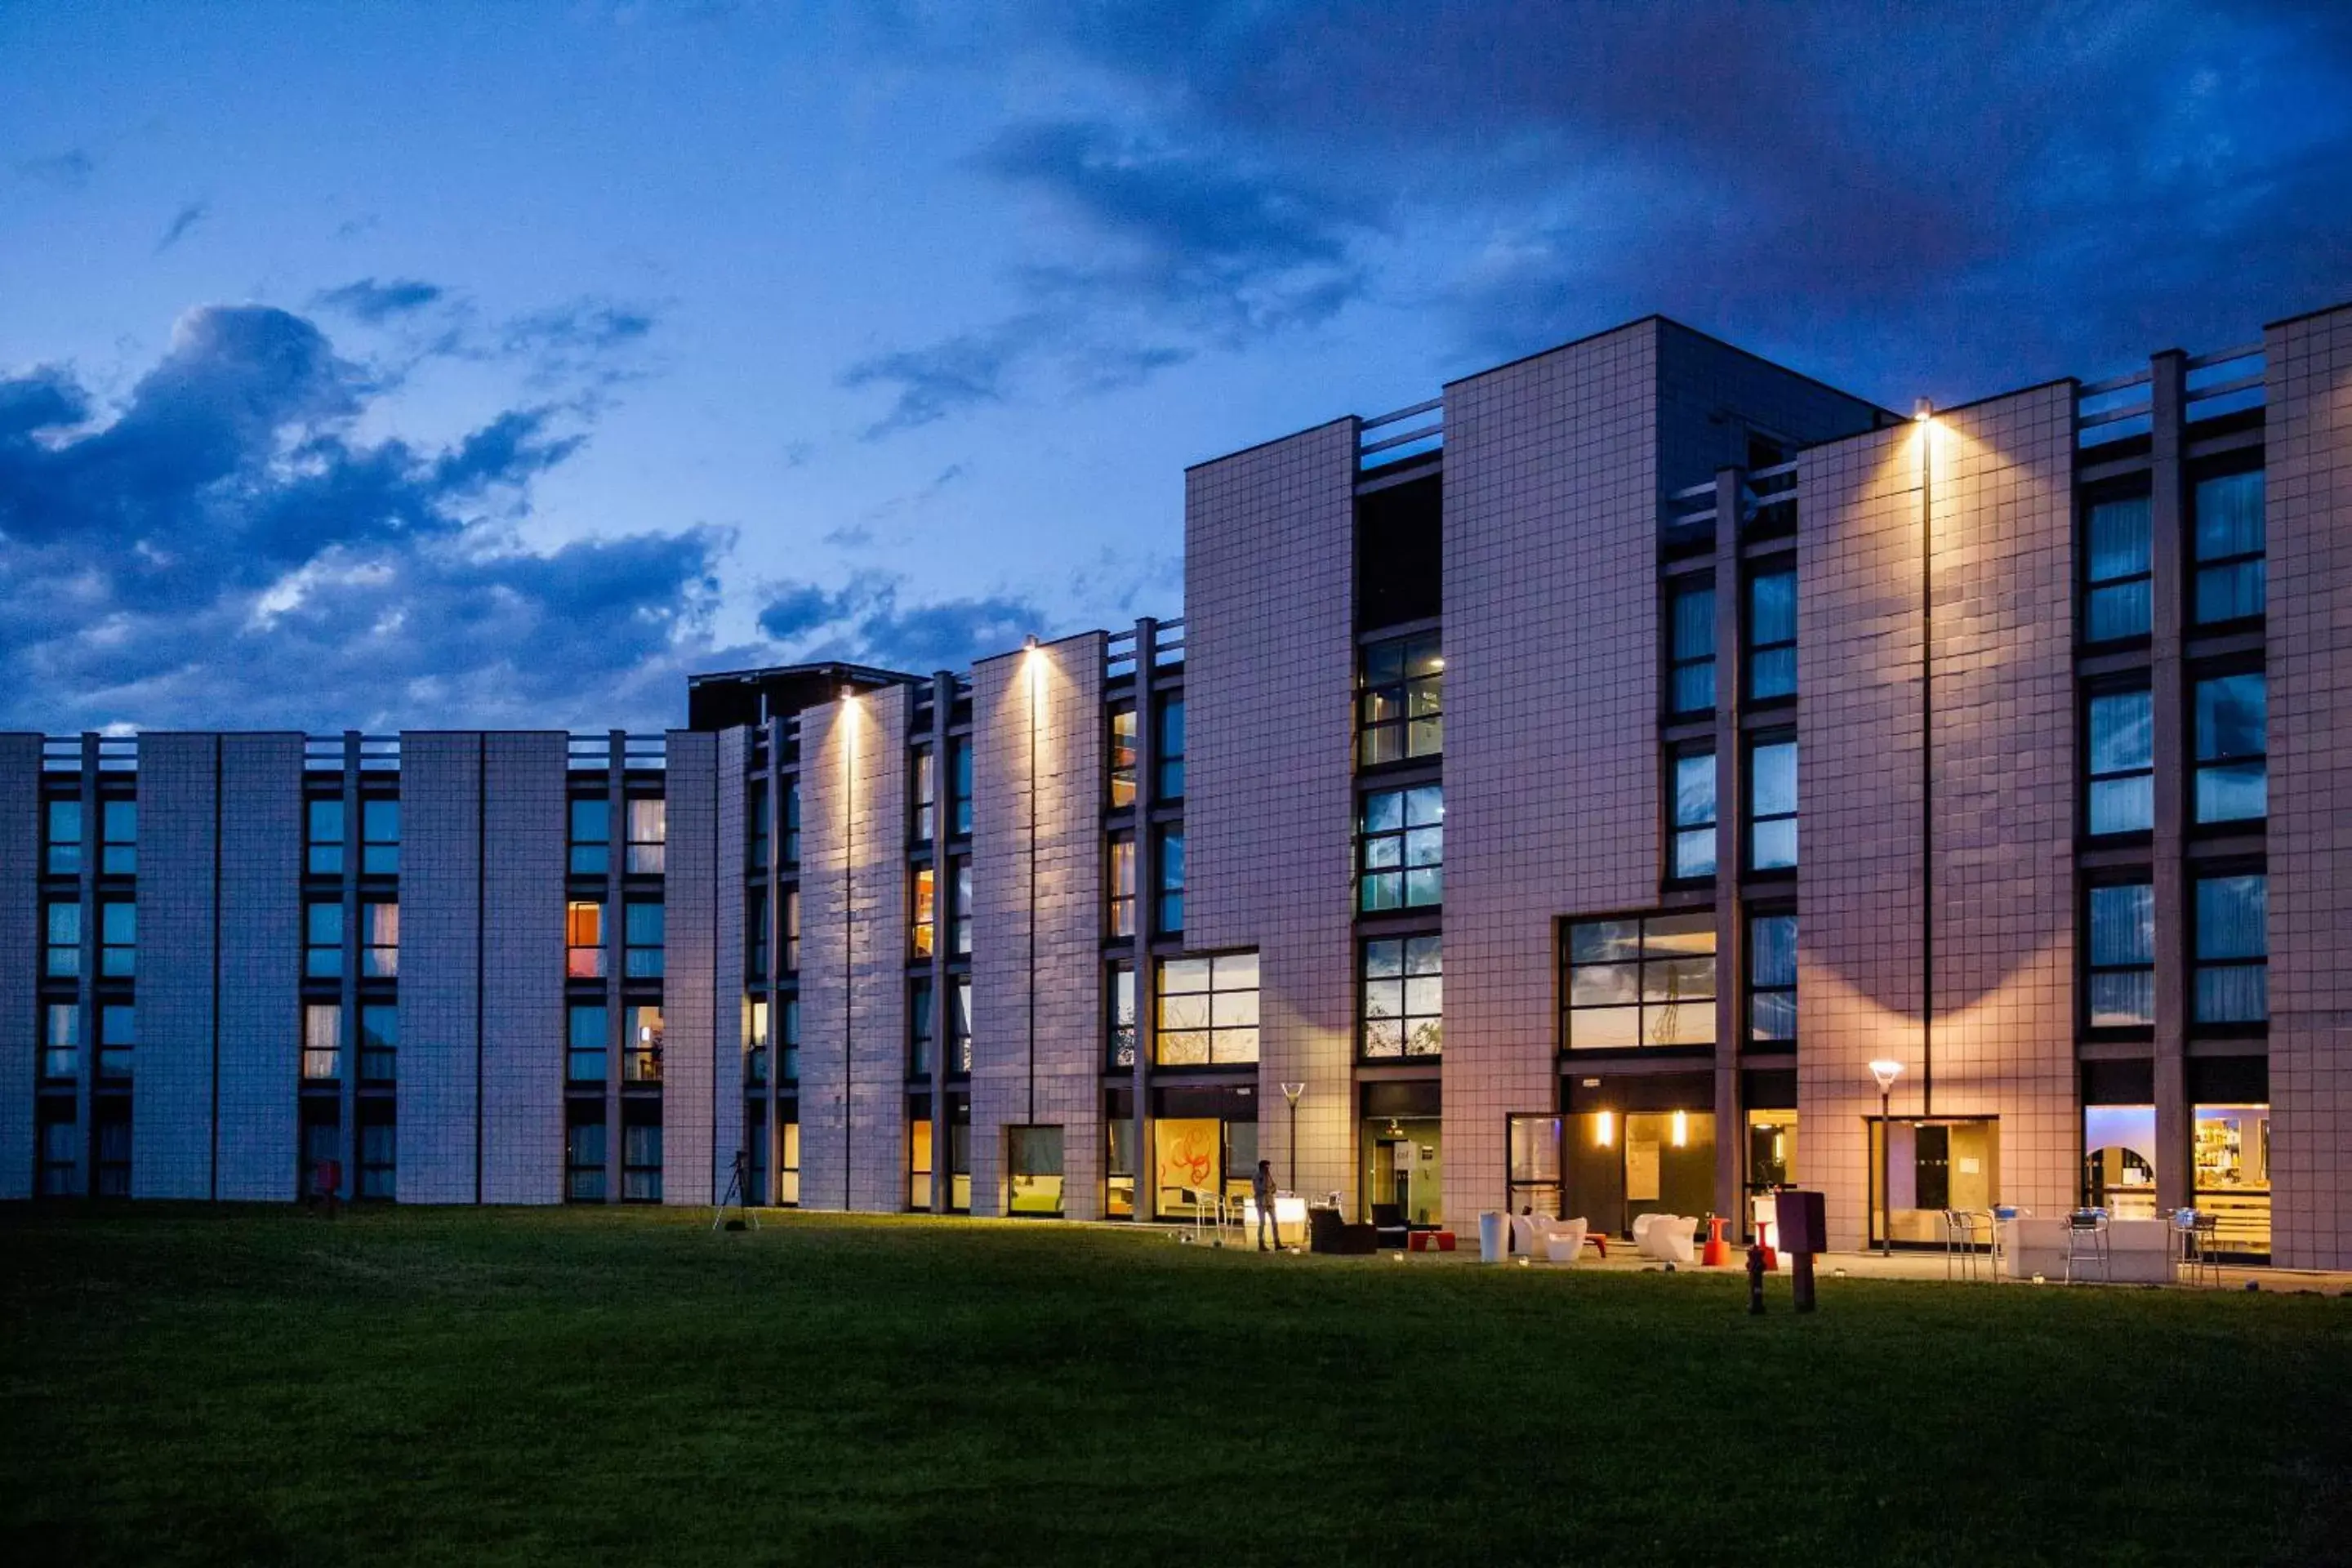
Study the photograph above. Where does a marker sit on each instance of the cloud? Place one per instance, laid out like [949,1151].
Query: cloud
[960,372]
[869,620]
[186,219]
[225,550]
[66,171]
[372,302]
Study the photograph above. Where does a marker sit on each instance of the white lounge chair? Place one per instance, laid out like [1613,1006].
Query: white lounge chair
[1564,1243]
[1667,1237]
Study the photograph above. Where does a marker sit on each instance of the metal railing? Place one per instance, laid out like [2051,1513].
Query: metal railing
[1119,649]
[1392,445]
[2229,381]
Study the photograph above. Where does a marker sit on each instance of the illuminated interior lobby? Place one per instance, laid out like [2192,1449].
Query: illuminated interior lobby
[1555,798]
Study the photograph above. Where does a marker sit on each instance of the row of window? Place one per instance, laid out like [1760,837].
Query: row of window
[1168,747]
[1769,627]
[2231,741]
[1649,981]
[1771,834]
[1168,909]
[118,940]
[63,853]
[118,1037]
[2229,953]
[2228,581]
[643,848]
[323,835]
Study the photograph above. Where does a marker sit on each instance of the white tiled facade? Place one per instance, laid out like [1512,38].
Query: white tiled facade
[1942,676]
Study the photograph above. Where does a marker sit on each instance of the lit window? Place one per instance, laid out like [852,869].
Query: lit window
[1122,756]
[919,1162]
[2121,776]
[641,957]
[923,924]
[322,1040]
[756,1015]
[119,827]
[1642,980]
[1771,805]
[1400,712]
[591,836]
[648,834]
[2231,983]
[117,936]
[791,930]
[323,835]
[1773,636]
[1403,998]
[1208,1010]
[64,857]
[1772,979]
[62,953]
[585,1044]
[1694,787]
[1122,884]
[2120,957]
[1690,647]
[379,838]
[2228,529]
[1170,844]
[1402,849]
[2117,556]
[2232,737]
[379,940]
[583,939]
[641,1045]
[322,939]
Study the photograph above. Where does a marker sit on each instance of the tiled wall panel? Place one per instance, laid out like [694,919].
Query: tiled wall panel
[689,1043]
[440,954]
[522,967]
[20,953]
[171,1068]
[1059,692]
[261,965]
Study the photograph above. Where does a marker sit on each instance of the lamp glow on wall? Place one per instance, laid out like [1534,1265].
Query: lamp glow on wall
[1604,1130]
[849,717]
[1032,670]
[1679,1130]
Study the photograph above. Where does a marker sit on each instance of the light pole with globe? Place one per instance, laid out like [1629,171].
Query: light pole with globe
[1885,1069]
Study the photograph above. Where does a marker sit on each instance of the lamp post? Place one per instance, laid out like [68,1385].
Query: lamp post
[1291,1091]
[1885,1069]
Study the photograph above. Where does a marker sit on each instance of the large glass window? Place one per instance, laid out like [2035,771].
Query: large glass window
[64,839]
[584,1044]
[922,924]
[1123,736]
[641,1163]
[1033,1165]
[756,1016]
[641,937]
[1169,748]
[918,1164]
[2120,956]
[322,1040]
[648,835]
[1693,773]
[1690,647]
[1772,979]
[61,1041]
[2230,1146]
[1121,995]
[2232,743]
[117,938]
[1772,804]
[118,850]
[61,953]
[1402,849]
[583,939]
[922,792]
[1641,981]
[379,1042]
[323,832]
[380,836]
[1122,885]
[379,940]
[1403,997]
[1400,709]
[2232,983]
[2121,776]
[641,1044]
[1772,635]
[322,939]
[2117,556]
[1170,843]
[1208,1010]
[2229,535]
[591,841]
[1534,1164]
[118,1037]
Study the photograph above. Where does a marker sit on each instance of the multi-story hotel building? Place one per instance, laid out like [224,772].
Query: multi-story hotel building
[1557,795]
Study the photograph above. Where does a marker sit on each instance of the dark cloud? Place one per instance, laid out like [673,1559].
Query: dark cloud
[186,219]
[947,377]
[868,620]
[225,550]
[373,302]
[66,171]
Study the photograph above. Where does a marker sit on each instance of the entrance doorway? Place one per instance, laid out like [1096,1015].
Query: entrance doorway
[1931,1166]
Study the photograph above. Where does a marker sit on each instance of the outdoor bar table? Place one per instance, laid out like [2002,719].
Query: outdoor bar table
[2139,1251]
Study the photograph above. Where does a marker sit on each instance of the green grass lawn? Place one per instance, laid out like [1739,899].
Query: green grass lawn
[626,1386]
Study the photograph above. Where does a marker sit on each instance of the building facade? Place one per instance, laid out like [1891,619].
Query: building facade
[1558,794]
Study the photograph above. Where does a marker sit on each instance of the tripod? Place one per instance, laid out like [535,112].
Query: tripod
[738,1181]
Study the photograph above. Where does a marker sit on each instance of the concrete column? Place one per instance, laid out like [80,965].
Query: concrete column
[257,1110]
[1139,950]
[1730,790]
[2168,556]
[21,938]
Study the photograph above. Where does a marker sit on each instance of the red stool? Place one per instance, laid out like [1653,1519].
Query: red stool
[1714,1254]
[1444,1240]
[1417,1242]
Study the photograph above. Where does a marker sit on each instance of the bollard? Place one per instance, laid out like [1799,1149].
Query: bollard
[1800,1279]
[1755,1278]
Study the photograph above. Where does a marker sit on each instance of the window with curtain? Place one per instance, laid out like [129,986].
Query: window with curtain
[2227,534]
[1772,979]
[1772,804]
[1690,647]
[583,939]
[118,849]
[2119,956]
[322,1040]
[1693,782]
[2231,979]
[1120,916]
[2120,775]
[641,939]
[379,940]
[2233,747]
[922,923]
[380,836]
[64,839]
[323,836]
[923,796]
[2117,556]
[648,835]
[379,1042]
[1123,736]
[1772,635]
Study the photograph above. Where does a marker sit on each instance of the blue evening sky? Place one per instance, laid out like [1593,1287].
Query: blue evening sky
[433,364]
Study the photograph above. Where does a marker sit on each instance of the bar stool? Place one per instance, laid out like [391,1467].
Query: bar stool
[1960,1244]
[2087,1241]
[2202,1246]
